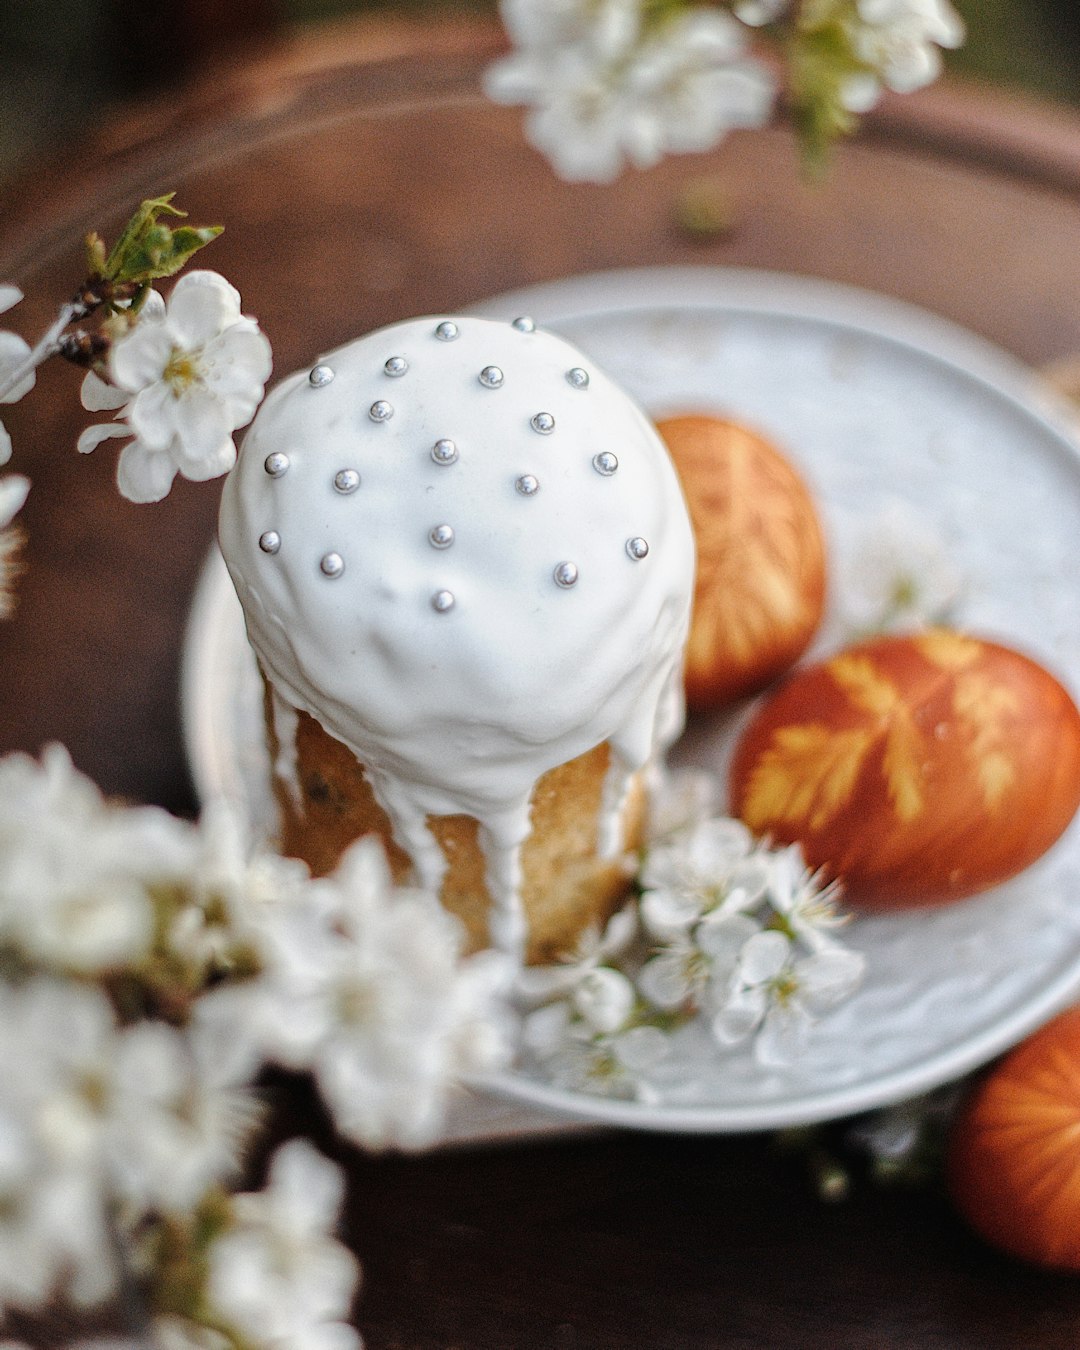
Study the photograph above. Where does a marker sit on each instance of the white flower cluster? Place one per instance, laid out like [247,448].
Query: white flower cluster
[608,83]
[362,985]
[734,934]
[184,377]
[98,1119]
[276,1278]
[148,967]
[899,41]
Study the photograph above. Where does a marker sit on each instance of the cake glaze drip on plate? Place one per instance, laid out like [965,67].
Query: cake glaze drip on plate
[459,708]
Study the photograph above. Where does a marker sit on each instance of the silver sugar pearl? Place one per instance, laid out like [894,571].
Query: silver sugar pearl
[543,422]
[605,463]
[320,376]
[444,451]
[346,481]
[527,485]
[637,548]
[578,378]
[566,575]
[276,464]
[332,565]
[441,601]
[491,377]
[381,411]
[395,366]
[524,324]
[270,542]
[446,331]
[441,536]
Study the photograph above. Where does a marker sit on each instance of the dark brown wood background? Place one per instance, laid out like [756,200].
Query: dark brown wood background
[361,178]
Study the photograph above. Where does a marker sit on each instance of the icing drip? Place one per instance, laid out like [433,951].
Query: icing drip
[555,636]
[285,721]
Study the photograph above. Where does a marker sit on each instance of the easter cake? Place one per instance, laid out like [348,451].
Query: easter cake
[466,569]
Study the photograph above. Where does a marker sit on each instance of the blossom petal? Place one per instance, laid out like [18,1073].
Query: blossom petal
[201,306]
[9,296]
[665,981]
[764,956]
[828,977]
[97,395]
[139,358]
[669,914]
[605,998]
[783,1035]
[153,415]
[14,350]
[92,437]
[5,444]
[310,1186]
[724,936]
[739,1017]
[143,474]
[202,422]
[13,490]
[237,366]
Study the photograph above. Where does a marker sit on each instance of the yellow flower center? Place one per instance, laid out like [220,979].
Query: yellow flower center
[181,372]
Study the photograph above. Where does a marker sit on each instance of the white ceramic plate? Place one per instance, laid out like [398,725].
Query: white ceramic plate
[877,403]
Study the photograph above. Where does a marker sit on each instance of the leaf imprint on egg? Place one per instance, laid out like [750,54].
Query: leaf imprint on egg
[984,707]
[807,774]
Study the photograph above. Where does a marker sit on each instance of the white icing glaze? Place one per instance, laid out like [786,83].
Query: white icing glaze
[285,720]
[461,711]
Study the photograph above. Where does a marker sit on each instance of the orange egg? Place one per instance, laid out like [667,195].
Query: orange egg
[1014,1151]
[760,558]
[919,769]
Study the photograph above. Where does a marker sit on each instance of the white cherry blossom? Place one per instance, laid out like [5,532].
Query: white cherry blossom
[605,998]
[278,1276]
[900,42]
[604,86]
[184,380]
[810,908]
[712,865]
[572,1055]
[698,969]
[76,873]
[595,947]
[363,986]
[54,1237]
[782,994]
[178,1117]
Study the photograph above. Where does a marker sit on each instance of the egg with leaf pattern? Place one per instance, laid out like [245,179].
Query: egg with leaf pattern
[760,580]
[1013,1161]
[919,768]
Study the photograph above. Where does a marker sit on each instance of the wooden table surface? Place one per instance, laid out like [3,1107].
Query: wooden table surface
[362,178]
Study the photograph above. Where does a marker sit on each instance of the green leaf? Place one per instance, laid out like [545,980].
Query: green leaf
[147,249]
[162,252]
[144,219]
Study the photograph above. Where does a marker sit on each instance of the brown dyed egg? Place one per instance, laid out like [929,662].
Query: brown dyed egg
[1014,1149]
[760,558]
[919,769]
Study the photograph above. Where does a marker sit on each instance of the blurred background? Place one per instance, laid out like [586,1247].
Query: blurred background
[63,62]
